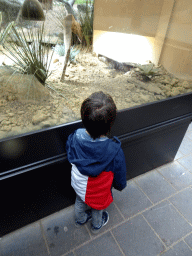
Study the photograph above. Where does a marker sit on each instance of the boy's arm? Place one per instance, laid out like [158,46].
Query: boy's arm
[119,181]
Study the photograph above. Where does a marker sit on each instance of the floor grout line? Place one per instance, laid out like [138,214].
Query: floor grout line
[184,166]
[117,243]
[180,213]
[166,180]
[119,211]
[44,237]
[144,192]
[175,243]
[155,232]
[187,244]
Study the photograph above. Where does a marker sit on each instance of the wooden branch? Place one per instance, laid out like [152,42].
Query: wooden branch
[67,42]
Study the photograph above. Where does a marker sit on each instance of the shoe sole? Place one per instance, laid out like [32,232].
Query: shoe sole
[80,225]
[97,230]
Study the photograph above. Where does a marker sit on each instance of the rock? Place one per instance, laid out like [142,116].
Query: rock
[51,40]
[11,114]
[3,134]
[6,128]
[166,80]
[145,98]
[11,98]
[48,123]
[186,85]
[128,74]
[5,122]
[10,9]
[82,68]
[39,117]
[135,97]
[154,89]
[21,112]
[56,60]
[174,82]
[167,88]
[15,130]
[175,92]
[22,87]
[130,86]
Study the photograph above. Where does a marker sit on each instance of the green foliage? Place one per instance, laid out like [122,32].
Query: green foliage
[84,16]
[60,49]
[29,59]
[147,70]
[5,33]
[0,18]
[86,21]
[80,2]
[73,53]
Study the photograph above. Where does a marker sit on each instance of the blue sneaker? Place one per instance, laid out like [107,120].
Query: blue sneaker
[89,217]
[105,219]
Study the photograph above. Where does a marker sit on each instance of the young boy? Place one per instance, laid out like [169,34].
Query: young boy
[98,162]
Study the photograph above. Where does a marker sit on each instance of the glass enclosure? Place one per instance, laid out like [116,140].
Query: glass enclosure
[54,54]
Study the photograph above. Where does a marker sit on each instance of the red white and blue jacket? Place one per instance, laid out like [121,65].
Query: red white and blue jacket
[97,165]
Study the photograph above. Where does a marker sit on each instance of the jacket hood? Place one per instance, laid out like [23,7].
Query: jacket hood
[91,157]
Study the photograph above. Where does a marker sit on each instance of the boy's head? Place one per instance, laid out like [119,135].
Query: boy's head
[98,113]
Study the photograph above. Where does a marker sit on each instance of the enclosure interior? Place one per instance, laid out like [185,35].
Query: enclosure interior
[137,51]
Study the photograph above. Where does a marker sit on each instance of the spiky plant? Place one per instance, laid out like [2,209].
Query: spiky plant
[60,49]
[147,71]
[29,59]
[86,19]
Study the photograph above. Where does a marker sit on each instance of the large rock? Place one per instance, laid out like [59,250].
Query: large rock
[10,9]
[21,87]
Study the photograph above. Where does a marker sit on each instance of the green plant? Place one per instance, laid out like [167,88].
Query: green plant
[73,53]
[29,59]
[5,33]
[147,70]
[0,18]
[86,21]
[60,49]
[80,1]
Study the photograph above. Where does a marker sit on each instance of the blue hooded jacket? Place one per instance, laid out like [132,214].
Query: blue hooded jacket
[92,157]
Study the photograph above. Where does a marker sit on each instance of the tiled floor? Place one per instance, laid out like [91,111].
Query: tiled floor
[152,216]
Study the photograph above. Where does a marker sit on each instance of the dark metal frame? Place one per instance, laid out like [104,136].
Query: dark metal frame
[35,173]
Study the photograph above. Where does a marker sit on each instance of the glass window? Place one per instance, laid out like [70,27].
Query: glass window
[137,51]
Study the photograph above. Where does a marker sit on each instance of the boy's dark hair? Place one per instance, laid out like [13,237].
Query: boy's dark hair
[98,113]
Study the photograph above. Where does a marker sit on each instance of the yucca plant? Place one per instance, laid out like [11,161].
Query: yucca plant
[29,59]
[5,33]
